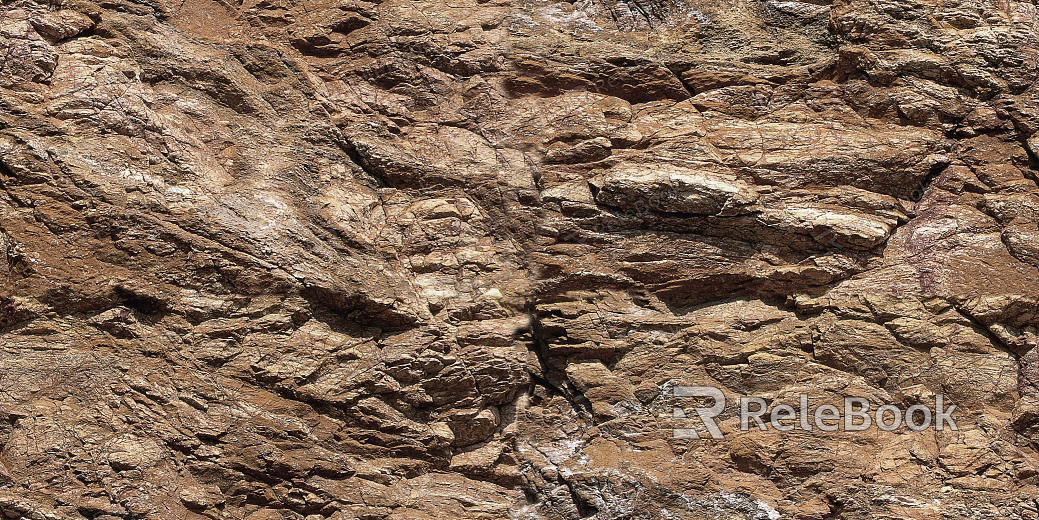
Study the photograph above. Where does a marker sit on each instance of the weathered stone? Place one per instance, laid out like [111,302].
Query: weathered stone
[408,259]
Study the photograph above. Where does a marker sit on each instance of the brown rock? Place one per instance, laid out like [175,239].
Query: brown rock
[349,260]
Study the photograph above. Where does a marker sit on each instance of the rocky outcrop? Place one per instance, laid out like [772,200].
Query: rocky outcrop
[417,259]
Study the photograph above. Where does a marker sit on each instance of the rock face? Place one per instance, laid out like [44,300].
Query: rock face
[412,259]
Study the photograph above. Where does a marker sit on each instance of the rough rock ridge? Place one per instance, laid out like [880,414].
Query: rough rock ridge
[447,259]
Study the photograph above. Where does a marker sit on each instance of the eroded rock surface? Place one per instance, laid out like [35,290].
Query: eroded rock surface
[413,259]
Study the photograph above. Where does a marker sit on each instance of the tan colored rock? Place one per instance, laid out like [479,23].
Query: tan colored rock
[407,259]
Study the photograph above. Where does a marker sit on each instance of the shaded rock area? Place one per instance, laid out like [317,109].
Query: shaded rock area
[423,259]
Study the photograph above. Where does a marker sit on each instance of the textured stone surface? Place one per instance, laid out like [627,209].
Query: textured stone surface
[412,259]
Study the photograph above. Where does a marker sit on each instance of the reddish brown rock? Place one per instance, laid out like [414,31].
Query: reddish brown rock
[399,259]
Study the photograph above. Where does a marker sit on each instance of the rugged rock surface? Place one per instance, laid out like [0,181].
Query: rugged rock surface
[415,259]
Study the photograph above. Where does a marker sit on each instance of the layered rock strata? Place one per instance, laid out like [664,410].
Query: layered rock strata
[415,259]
